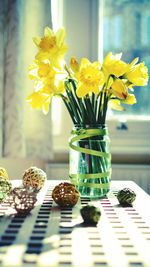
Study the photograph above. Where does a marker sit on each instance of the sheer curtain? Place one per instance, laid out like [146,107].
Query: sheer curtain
[23,132]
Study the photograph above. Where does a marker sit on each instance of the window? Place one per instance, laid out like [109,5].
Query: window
[145,24]
[117,31]
[125,26]
[131,33]
[106,35]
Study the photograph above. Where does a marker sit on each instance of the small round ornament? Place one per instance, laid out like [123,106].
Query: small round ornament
[34,178]
[126,196]
[5,188]
[90,214]
[3,173]
[65,195]
[23,200]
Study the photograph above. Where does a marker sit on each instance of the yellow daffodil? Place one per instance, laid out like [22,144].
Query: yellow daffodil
[119,89]
[45,76]
[55,88]
[40,70]
[115,104]
[138,75]
[113,65]
[109,83]
[59,88]
[74,65]
[130,99]
[51,46]
[39,100]
[89,77]
[45,70]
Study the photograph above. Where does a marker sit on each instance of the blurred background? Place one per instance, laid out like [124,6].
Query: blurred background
[93,28]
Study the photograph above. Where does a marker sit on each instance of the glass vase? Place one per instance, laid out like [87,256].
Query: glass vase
[90,160]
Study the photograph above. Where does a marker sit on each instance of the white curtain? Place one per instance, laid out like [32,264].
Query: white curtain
[23,132]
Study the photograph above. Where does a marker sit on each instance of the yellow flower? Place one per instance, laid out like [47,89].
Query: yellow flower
[115,104]
[52,89]
[46,76]
[51,46]
[44,70]
[40,70]
[59,88]
[89,77]
[130,99]
[113,65]
[74,64]
[119,89]
[39,100]
[138,74]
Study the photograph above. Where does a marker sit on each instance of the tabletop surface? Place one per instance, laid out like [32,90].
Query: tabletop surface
[56,237]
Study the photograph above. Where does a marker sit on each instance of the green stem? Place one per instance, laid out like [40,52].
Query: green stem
[83,112]
[90,110]
[100,108]
[65,100]
[73,104]
[105,107]
[74,96]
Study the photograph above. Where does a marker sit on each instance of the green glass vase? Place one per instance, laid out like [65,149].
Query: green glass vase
[90,160]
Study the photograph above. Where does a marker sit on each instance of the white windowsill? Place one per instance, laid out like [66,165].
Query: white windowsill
[127,146]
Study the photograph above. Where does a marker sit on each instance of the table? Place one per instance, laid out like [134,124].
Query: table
[54,237]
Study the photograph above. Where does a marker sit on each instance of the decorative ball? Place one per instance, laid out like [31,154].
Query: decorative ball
[90,214]
[3,173]
[5,188]
[23,200]
[34,178]
[126,196]
[65,195]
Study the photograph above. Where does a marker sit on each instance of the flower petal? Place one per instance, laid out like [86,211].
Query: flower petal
[138,75]
[115,104]
[60,37]
[36,40]
[130,99]
[48,32]
[81,90]
[119,89]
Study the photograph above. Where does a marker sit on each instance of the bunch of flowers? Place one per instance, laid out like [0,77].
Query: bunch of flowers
[87,88]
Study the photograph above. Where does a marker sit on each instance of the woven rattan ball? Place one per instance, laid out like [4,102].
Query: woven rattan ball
[65,195]
[34,178]
[23,200]
[3,173]
[90,214]
[126,197]
[5,188]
